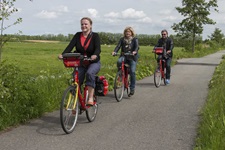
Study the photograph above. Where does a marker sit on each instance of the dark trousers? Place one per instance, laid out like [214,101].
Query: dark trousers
[89,73]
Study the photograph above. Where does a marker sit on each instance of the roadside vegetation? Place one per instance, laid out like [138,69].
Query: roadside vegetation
[211,133]
[33,79]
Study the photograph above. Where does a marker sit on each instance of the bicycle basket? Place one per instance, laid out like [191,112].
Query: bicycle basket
[159,50]
[71,59]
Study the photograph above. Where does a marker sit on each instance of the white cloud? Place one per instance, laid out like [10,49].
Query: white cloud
[132,13]
[47,15]
[93,12]
[145,20]
[61,9]
[112,15]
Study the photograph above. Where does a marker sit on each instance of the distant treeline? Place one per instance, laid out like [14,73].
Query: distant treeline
[106,38]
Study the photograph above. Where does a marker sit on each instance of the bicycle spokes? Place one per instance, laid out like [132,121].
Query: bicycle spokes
[69,110]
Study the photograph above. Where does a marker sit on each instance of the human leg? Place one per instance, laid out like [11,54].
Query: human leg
[92,70]
[132,64]
[168,69]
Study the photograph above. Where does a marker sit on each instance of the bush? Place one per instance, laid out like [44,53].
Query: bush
[23,97]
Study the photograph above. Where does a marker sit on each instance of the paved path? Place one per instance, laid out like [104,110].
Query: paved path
[164,118]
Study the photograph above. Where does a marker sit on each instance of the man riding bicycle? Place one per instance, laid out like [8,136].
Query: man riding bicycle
[167,43]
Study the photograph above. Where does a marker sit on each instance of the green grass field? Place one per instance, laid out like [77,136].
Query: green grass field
[37,88]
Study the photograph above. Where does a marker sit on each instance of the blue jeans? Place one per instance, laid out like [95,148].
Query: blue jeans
[89,72]
[133,65]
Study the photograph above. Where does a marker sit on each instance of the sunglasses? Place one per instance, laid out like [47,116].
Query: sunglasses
[163,34]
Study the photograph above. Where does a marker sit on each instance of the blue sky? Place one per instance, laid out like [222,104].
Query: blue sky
[63,16]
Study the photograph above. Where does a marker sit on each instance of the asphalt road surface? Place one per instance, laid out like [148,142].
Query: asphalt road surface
[164,118]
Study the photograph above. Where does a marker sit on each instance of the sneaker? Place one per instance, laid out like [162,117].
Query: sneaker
[167,81]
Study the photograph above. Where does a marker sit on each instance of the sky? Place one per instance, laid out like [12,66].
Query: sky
[63,16]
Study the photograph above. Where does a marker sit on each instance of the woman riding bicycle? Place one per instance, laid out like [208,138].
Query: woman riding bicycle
[128,43]
[88,44]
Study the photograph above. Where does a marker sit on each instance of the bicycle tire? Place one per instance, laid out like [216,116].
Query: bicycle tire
[157,78]
[68,115]
[118,86]
[91,111]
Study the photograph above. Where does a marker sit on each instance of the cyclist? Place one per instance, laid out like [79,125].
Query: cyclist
[88,44]
[167,43]
[128,43]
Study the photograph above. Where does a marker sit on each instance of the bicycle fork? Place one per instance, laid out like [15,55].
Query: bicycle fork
[71,96]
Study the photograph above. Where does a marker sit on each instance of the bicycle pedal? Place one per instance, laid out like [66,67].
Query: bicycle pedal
[81,111]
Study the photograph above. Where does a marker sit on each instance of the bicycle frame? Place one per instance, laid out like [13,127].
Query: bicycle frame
[121,82]
[82,97]
[162,63]
[158,76]
[125,72]
[70,105]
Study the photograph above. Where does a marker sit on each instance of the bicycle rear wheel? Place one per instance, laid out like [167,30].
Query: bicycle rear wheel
[69,110]
[118,86]
[157,78]
[91,111]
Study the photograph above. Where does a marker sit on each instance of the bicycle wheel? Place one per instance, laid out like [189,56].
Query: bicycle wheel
[91,111]
[69,110]
[118,86]
[157,78]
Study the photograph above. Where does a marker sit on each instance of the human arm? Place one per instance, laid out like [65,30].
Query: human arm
[118,46]
[136,46]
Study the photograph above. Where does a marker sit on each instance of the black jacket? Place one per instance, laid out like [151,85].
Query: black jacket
[94,47]
[134,46]
[168,44]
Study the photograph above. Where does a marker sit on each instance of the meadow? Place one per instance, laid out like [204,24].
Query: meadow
[33,80]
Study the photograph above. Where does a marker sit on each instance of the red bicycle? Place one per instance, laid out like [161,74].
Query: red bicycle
[73,100]
[160,73]
[122,79]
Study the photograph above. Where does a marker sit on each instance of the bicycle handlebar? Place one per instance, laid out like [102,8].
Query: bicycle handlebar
[76,56]
[124,54]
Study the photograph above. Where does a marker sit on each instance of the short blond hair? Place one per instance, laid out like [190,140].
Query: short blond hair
[128,29]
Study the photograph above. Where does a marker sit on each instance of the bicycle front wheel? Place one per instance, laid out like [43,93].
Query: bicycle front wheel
[91,111]
[118,86]
[69,110]
[157,78]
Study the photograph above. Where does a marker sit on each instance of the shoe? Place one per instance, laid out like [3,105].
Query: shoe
[167,81]
[90,103]
[131,92]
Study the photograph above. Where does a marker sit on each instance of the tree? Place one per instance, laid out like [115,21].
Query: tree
[217,36]
[196,14]
[6,10]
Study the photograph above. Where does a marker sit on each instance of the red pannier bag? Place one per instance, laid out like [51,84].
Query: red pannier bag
[101,87]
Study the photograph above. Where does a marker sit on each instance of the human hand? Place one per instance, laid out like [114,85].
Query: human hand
[113,53]
[93,57]
[60,56]
[134,52]
[169,51]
